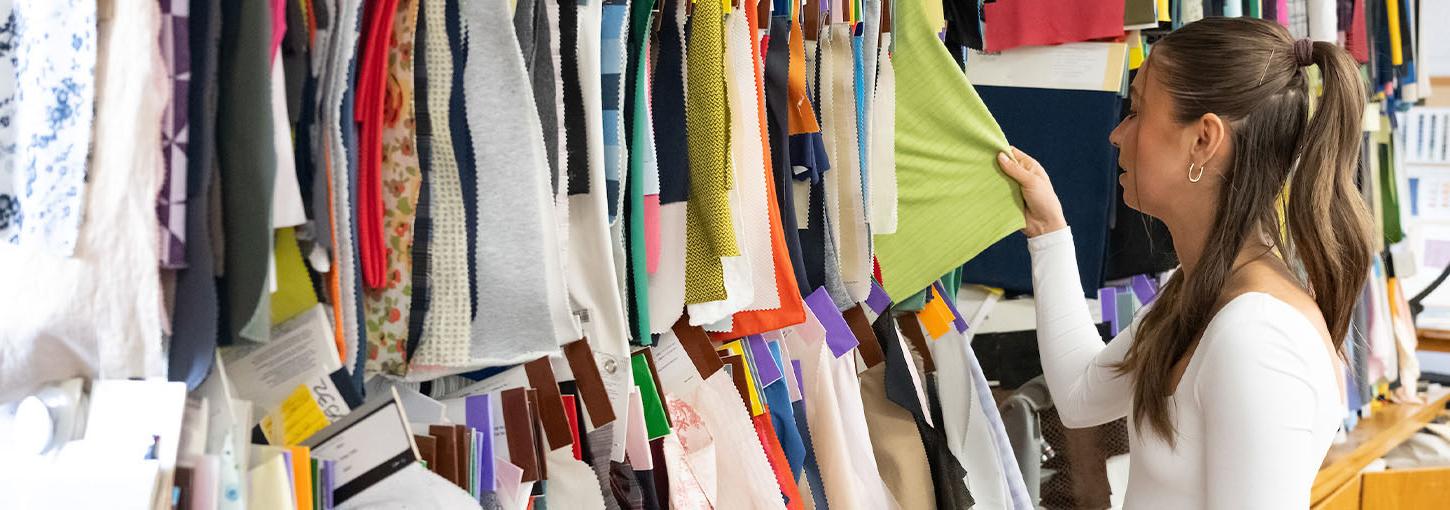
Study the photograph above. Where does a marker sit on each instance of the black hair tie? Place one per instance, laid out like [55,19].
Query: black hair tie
[1304,52]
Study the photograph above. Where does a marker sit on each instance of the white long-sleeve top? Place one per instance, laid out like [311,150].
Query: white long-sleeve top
[1256,410]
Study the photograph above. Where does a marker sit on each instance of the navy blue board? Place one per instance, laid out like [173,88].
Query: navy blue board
[1067,131]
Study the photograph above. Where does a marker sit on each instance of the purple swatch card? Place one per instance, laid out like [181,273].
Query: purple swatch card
[957,319]
[479,417]
[838,333]
[1144,288]
[877,300]
[1108,298]
[765,368]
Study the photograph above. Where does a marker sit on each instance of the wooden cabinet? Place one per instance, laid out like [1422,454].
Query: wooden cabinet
[1341,486]
[1404,489]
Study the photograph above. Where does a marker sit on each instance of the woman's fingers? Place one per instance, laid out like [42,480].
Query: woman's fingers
[1028,162]
[1013,169]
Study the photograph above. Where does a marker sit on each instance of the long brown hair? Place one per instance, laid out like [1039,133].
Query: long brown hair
[1246,71]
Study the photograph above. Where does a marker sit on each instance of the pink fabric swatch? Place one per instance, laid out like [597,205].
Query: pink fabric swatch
[1046,22]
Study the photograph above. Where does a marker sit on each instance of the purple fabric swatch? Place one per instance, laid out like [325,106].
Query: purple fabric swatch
[1108,298]
[957,319]
[765,368]
[479,417]
[877,300]
[838,334]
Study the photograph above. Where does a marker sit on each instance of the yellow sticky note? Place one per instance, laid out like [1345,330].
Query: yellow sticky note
[737,348]
[294,286]
[298,418]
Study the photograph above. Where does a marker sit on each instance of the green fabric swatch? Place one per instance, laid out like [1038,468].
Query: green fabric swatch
[953,201]
[656,423]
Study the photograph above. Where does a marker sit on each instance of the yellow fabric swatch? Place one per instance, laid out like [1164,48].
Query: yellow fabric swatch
[1164,14]
[709,233]
[294,287]
[737,348]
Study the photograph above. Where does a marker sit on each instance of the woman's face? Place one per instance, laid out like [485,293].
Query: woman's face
[1154,151]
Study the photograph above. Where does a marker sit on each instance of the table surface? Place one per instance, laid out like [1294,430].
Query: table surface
[1372,438]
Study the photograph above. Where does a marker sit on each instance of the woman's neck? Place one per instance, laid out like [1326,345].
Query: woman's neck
[1189,242]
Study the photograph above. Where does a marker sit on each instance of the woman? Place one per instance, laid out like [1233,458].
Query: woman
[1232,379]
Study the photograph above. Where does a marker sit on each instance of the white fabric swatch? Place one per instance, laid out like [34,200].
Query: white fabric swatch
[883,145]
[572,484]
[100,312]
[593,285]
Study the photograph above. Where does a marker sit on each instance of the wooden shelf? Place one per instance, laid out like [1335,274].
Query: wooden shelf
[1437,340]
[1372,438]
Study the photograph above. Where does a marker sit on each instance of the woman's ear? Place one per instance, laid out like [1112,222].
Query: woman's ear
[1211,138]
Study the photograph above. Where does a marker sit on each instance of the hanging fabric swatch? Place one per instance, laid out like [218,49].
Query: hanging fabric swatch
[710,234]
[752,264]
[844,194]
[520,297]
[639,211]
[194,323]
[883,142]
[777,303]
[1082,164]
[446,318]
[667,282]
[248,167]
[368,113]
[594,286]
[946,148]
[1045,22]
[777,86]
[106,299]
[389,304]
[47,112]
[171,202]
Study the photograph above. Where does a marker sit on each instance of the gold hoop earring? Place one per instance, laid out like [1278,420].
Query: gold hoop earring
[1195,178]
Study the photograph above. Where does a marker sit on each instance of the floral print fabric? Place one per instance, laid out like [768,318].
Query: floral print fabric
[386,308]
[47,100]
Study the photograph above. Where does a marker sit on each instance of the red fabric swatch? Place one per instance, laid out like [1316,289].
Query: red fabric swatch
[368,112]
[788,488]
[1014,23]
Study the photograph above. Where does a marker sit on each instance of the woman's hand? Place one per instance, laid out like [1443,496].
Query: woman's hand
[1044,212]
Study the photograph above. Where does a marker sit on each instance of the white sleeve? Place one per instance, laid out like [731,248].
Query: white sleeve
[1085,387]
[1259,407]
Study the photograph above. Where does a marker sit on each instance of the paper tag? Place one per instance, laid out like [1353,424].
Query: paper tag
[677,371]
[301,350]
[838,334]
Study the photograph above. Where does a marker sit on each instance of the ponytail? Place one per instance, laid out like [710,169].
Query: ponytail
[1326,218]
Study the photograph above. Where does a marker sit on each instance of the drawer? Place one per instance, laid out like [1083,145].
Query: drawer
[1405,489]
[1346,497]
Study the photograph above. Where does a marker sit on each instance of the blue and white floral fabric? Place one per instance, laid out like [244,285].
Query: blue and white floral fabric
[47,101]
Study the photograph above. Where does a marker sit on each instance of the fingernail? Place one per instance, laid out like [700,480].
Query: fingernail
[1002,156]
